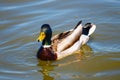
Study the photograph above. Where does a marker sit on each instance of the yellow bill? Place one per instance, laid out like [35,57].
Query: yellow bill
[41,37]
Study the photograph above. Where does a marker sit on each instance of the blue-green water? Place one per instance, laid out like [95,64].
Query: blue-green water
[20,23]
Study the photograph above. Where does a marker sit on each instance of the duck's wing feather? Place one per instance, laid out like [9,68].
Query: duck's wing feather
[59,38]
[66,39]
[62,35]
[66,33]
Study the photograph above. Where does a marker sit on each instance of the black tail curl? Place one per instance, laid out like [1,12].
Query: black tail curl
[78,24]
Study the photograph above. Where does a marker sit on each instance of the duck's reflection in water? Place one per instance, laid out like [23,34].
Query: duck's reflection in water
[85,52]
[46,68]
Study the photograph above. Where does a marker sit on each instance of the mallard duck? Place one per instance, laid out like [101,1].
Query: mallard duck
[63,44]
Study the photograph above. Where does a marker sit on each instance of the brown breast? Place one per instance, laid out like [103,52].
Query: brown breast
[46,54]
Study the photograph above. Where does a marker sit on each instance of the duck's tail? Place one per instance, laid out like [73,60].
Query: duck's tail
[87,30]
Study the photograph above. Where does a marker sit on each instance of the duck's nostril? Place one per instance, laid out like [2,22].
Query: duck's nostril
[38,41]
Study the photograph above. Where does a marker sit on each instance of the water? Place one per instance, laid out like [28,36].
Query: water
[20,23]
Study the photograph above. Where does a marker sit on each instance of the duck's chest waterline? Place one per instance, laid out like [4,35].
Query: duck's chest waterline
[46,54]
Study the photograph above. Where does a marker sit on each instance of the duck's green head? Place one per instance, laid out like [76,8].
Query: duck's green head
[45,35]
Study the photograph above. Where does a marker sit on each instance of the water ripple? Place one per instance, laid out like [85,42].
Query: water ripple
[107,73]
[28,4]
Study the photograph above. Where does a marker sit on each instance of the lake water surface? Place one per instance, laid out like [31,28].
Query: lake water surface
[20,22]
